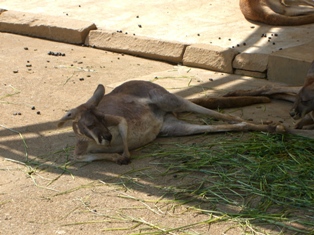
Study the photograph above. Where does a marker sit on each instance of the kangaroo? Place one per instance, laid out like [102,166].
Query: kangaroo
[279,12]
[133,115]
[302,98]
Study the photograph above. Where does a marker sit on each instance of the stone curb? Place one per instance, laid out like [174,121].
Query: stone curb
[286,66]
[210,57]
[60,29]
[136,45]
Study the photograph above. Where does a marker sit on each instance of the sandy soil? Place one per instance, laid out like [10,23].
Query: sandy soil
[44,195]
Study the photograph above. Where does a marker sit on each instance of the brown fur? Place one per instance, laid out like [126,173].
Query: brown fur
[279,12]
[229,102]
[134,114]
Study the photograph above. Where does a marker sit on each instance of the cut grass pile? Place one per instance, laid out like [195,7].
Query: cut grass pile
[265,179]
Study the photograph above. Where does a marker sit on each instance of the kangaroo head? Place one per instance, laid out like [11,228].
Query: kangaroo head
[88,121]
[304,102]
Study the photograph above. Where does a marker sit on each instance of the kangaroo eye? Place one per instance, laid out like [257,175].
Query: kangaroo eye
[69,114]
[90,125]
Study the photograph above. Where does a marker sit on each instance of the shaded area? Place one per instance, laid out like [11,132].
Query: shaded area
[181,172]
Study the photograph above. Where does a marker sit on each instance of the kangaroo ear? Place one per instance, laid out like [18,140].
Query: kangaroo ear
[93,101]
[310,73]
[309,80]
[97,96]
[69,116]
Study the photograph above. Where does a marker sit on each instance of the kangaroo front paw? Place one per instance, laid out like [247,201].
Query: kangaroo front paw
[123,160]
[276,128]
[280,129]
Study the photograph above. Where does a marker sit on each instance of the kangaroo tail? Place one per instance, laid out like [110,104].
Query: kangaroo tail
[256,11]
[229,102]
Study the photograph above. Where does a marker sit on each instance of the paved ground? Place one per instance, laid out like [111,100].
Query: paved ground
[211,22]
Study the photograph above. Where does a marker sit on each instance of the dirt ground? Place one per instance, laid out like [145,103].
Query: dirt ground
[45,195]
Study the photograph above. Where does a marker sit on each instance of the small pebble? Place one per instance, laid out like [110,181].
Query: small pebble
[33,108]
[15,71]
[81,79]
[56,53]
[25,48]
[38,112]
[140,26]
[198,34]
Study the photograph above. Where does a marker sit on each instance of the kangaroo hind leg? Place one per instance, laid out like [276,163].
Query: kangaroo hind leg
[171,103]
[174,127]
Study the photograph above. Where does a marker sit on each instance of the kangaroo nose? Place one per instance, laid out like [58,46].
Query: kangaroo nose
[105,138]
[292,113]
[108,137]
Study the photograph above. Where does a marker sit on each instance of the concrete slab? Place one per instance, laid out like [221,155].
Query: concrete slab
[136,45]
[210,57]
[251,61]
[214,22]
[44,26]
[291,65]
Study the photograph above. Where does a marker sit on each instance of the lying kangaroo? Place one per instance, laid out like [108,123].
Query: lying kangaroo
[134,114]
[279,12]
[303,98]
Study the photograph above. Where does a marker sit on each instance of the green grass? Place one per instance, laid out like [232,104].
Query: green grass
[267,179]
